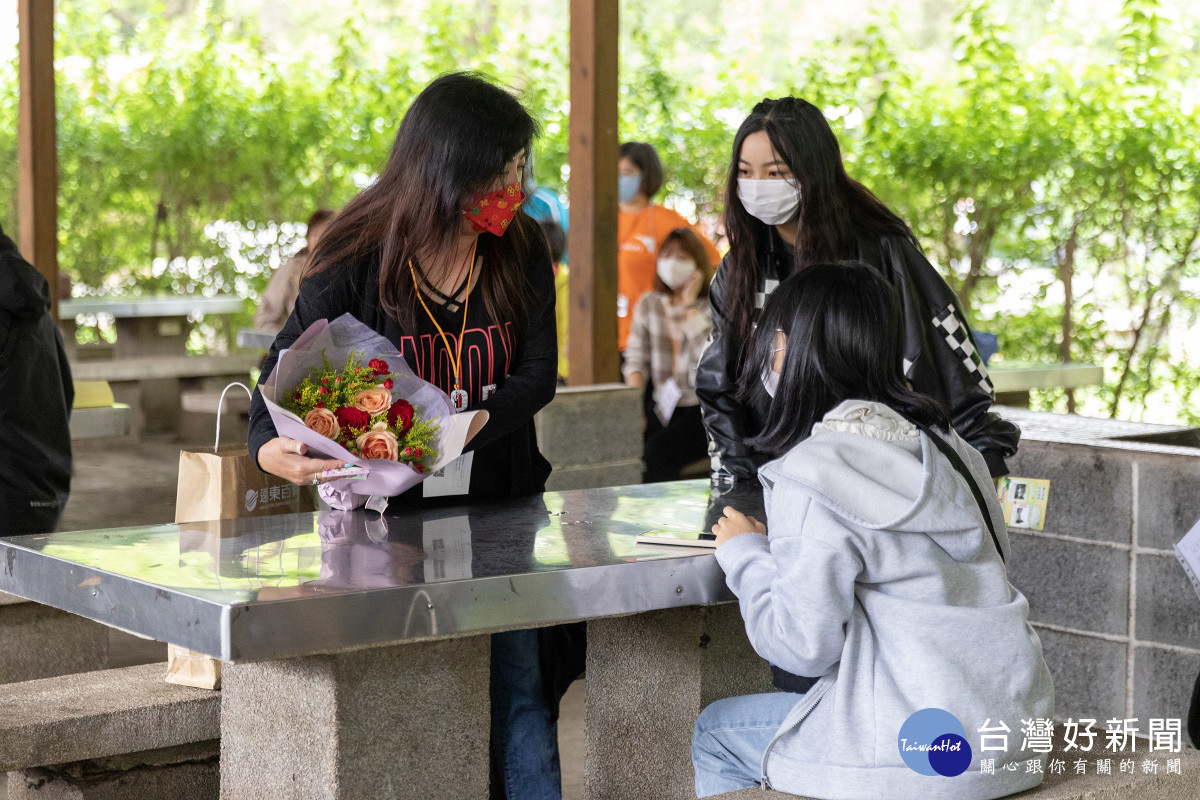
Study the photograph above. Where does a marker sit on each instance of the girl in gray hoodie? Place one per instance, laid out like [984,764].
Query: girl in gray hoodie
[883,573]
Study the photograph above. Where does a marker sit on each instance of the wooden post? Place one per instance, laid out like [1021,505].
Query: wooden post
[37,158]
[592,154]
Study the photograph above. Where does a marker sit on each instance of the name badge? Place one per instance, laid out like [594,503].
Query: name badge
[669,395]
[452,479]
[447,549]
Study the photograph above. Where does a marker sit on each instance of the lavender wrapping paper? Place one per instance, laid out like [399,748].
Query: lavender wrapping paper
[335,341]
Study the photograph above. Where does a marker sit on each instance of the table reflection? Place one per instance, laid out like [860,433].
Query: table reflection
[331,552]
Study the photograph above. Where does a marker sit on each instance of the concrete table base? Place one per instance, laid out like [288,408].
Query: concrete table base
[187,772]
[648,677]
[405,721]
[37,641]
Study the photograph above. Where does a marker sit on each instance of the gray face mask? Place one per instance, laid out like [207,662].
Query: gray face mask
[628,187]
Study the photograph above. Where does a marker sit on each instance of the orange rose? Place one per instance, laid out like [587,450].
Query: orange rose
[373,401]
[323,422]
[379,442]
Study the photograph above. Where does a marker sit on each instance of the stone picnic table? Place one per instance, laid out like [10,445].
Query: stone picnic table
[148,326]
[1013,380]
[357,647]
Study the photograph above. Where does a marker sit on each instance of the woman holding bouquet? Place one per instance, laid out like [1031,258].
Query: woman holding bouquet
[436,256]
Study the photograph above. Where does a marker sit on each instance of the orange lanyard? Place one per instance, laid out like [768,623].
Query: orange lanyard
[457,363]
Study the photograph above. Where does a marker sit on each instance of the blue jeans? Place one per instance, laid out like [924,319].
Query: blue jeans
[730,738]
[524,737]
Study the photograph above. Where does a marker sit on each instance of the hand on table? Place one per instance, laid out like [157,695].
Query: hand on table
[285,457]
[735,523]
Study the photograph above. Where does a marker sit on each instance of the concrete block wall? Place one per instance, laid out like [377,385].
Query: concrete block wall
[592,436]
[1118,619]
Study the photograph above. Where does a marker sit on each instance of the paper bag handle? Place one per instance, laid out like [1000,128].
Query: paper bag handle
[221,405]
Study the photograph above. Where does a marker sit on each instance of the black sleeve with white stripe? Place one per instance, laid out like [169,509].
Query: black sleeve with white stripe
[942,359]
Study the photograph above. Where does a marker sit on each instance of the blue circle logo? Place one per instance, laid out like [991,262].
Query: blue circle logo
[933,742]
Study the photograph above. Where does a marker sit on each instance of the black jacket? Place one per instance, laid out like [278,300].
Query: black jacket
[507,462]
[940,359]
[37,394]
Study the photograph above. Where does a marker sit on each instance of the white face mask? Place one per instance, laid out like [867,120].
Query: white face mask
[770,380]
[675,272]
[773,201]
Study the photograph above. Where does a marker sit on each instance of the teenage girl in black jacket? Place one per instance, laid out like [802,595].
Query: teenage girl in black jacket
[789,203]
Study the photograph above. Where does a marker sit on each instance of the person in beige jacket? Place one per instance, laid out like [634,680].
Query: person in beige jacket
[279,297]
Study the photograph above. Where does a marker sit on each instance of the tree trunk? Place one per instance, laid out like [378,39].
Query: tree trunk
[978,251]
[1066,274]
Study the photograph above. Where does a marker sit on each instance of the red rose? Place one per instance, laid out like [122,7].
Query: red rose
[350,417]
[322,390]
[389,383]
[419,467]
[400,416]
[378,366]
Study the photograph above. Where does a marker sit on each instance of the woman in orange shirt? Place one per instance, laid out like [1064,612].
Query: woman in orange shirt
[641,228]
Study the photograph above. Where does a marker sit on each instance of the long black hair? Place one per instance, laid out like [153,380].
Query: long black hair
[845,341]
[834,208]
[457,138]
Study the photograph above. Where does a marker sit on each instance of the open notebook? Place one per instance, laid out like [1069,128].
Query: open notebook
[706,541]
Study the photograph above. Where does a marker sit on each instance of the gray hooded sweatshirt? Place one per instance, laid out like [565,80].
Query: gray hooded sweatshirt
[879,575]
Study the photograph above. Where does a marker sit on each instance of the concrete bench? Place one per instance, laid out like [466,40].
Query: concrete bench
[1067,785]
[120,370]
[38,641]
[116,733]
[101,423]
[1014,380]
[153,386]
[95,415]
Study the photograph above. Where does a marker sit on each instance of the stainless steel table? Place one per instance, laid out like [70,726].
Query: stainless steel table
[358,660]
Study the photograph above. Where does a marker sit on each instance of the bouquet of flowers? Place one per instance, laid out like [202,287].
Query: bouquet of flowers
[355,407]
[372,411]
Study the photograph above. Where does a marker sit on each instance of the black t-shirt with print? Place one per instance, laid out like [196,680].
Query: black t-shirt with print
[509,372]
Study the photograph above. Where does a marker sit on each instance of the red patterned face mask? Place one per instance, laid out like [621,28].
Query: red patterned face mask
[492,212]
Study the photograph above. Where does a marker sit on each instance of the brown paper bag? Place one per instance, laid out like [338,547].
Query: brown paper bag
[189,668]
[225,483]
[228,484]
